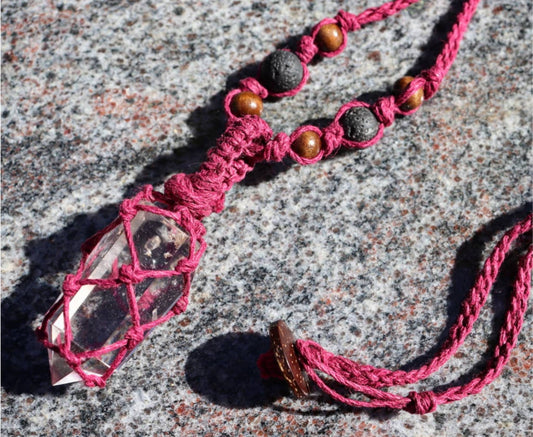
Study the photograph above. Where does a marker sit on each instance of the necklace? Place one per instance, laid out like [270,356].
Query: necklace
[135,290]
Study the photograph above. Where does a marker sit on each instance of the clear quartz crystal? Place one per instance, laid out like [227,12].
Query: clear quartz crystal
[100,316]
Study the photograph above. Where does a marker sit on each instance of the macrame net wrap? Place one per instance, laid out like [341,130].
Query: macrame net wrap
[128,275]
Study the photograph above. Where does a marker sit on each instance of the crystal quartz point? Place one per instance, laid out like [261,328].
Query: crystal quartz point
[101,316]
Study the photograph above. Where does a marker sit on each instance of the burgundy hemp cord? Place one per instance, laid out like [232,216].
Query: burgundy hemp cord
[136,273]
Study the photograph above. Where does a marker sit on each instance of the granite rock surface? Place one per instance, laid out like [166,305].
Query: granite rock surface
[370,252]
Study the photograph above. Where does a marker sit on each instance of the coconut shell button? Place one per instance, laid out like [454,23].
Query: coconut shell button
[283,340]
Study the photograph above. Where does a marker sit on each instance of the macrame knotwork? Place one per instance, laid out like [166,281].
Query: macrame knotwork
[121,284]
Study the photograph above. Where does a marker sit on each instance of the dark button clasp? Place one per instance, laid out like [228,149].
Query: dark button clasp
[283,341]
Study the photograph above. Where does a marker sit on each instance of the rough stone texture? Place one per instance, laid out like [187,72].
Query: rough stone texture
[369,253]
[359,124]
[281,71]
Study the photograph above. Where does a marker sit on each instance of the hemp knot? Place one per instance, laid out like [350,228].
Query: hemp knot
[134,336]
[93,380]
[253,85]
[277,147]
[127,274]
[433,80]
[332,136]
[178,188]
[307,49]
[128,209]
[70,357]
[70,285]
[347,21]
[421,403]
[385,110]
[186,265]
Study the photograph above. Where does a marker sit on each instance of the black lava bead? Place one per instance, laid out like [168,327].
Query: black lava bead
[359,124]
[281,71]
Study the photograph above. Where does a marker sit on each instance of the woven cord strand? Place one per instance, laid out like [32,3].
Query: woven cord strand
[353,22]
[366,379]
[438,71]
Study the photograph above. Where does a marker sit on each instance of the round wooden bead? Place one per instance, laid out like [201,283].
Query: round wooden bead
[415,100]
[359,124]
[281,71]
[329,38]
[246,103]
[307,145]
[282,342]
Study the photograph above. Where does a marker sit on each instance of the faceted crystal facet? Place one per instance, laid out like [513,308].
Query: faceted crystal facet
[101,316]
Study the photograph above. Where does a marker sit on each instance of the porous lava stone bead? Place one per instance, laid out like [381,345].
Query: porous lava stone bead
[359,124]
[246,103]
[307,145]
[281,71]
[329,38]
[415,100]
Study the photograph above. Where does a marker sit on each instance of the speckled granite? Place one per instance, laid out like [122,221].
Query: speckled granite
[369,253]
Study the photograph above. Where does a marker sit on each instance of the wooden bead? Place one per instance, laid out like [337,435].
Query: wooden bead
[246,103]
[282,342]
[329,38]
[307,145]
[416,98]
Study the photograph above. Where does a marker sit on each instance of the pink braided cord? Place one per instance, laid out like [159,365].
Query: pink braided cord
[353,22]
[384,109]
[188,198]
[367,379]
